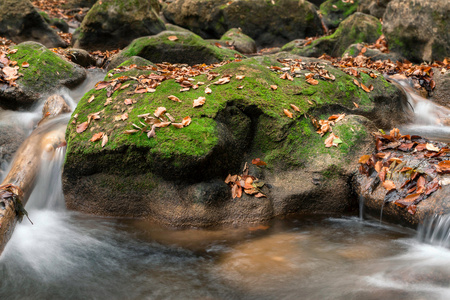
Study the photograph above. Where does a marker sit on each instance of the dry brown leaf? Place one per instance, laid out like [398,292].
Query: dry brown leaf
[25,64]
[330,141]
[356,104]
[131,131]
[108,101]
[274,87]
[258,162]
[161,124]
[240,87]
[288,113]
[295,108]
[172,38]
[178,125]
[378,166]
[240,77]
[356,83]
[124,86]
[82,127]
[431,147]
[96,137]
[128,101]
[186,121]
[104,140]
[312,81]
[124,116]
[389,185]
[199,102]
[365,88]
[260,195]
[174,98]
[91,98]
[208,90]
[159,111]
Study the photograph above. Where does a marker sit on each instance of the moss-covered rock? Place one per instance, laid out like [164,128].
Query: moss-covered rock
[61,24]
[358,28]
[241,42]
[189,48]
[20,22]
[46,72]
[112,24]
[419,30]
[374,8]
[335,11]
[374,54]
[267,22]
[177,176]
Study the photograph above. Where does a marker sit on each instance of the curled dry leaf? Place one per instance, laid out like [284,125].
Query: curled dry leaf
[208,90]
[186,121]
[172,38]
[295,108]
[199,102]
[159,111]
[312,81]
[104,140]
[288,113]
[174,98]
[161,124]
[91,98]
[128,101]
[365,88]
[152,133]
[124,116]
[356,82]
[178,125]
[82,127]
[274,87]
[169,116]
[25,64]
[431,147]
[96,137]
[240,77]
[131,131]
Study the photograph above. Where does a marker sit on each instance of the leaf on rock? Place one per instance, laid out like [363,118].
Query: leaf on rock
[332,140]
[364,159]
[365,88]
[96,137]
[260,195]
[288,113]
[104,140]
[199,102]
[258,162]
[172,38]
[174,98]
[356,104]
[82,127]
[128,101]
[431,147]
[389,185]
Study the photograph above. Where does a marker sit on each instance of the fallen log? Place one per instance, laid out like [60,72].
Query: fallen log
[19,182]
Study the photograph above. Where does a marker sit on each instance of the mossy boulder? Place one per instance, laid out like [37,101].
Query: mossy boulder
[269,23]
[240,41]
[335,11]
[419,30]
[46,72]
[112,24]
[374,8]
[358,28]
[20,22]
[177,176]
[61,24]
[188,48]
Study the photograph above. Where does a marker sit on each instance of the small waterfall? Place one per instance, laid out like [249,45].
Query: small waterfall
[361,208]
[436,231]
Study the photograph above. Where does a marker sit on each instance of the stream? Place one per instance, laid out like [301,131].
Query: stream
[68,255]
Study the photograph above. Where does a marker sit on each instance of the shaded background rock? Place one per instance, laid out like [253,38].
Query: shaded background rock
[335,11]
[374,54]
[419,30]
[375,8]
[241,42]
[112,24]
[20,21]
[267,23]
[358,28]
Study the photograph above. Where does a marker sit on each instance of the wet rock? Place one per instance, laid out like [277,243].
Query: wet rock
[119,59]
[178,177]
[267,23]
[188,48]
[46,72]
[375,8]
[81,57]
[11,137]
[20,21]
[110,24]
[441,93]
[358,28]
[335,11]
[54,106]
[241,42]
[58,23]
[374,54]
[418,30]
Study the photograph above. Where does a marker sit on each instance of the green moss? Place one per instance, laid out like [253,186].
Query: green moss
[45,70]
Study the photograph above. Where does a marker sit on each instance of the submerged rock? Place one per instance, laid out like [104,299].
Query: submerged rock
[175,47]
[46,72]
[112,24]
[419,30]
[177,176]
[20,21]
[358,28]
[335,11]
[268,23]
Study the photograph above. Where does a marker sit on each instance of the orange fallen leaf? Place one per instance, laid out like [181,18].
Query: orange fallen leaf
[96,137]
[288,113]
[329,141]
[389,185]
[172,38]
[274,87]
[295,108]
[378,166]
[356,83]
[364,159]
[260,195]
[82,127]
[208,90]
[365,88]
[356,104]
[240,77]
[25,64]
[159,111]
[174,98]
[104,140]
[312,81]
[128,101]
[186,121]
[258,162]
[162,124]
[178,125]
[91,98]
[199,102]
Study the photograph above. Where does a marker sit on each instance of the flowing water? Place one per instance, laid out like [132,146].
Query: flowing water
[68,255]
